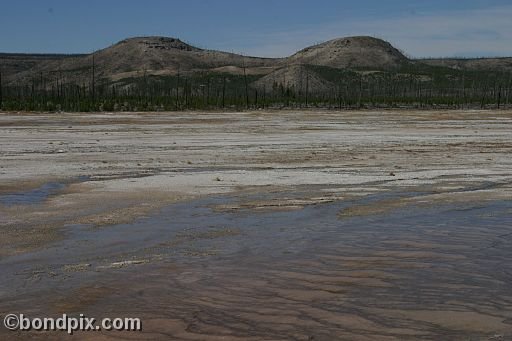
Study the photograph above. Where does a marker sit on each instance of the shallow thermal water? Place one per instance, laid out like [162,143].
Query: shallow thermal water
[37,195]
[431,272]
[33,196]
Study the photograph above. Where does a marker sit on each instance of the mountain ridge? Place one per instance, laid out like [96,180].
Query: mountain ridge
[138,57]
[169,55]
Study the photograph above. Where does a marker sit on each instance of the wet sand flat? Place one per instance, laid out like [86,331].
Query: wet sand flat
[305,225]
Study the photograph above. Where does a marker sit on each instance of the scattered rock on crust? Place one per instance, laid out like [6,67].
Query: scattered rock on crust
[76,267]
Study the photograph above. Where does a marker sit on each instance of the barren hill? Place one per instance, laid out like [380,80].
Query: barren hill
[14,63]
[135,57]
[296,77]
[474,64]
[351,52]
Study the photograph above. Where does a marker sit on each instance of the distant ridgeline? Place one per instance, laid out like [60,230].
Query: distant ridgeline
[159,73]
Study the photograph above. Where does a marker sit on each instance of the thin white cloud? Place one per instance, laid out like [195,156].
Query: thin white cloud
[472,33]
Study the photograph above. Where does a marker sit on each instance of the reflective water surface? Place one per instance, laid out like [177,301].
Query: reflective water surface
[194,272]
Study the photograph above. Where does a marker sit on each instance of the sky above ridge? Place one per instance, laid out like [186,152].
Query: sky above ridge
[434,28]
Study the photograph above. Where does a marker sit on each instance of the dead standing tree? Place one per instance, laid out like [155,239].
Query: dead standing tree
[223,92]
[246,86]
[509,83]
[93,80]
[1,95]
[307,86]
[178,90]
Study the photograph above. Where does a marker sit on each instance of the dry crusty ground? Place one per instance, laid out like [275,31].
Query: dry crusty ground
[137,163]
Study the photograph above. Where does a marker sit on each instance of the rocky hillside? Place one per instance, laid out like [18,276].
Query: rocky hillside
[351,52]
[297,77]
[134,58]
[140,56]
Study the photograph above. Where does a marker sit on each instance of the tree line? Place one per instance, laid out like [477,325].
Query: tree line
[410,86]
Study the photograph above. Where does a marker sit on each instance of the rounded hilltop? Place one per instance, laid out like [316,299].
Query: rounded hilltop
[351,52]
[159,43]
[136,57]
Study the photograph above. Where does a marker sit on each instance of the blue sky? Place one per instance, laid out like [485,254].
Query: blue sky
[260,27]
